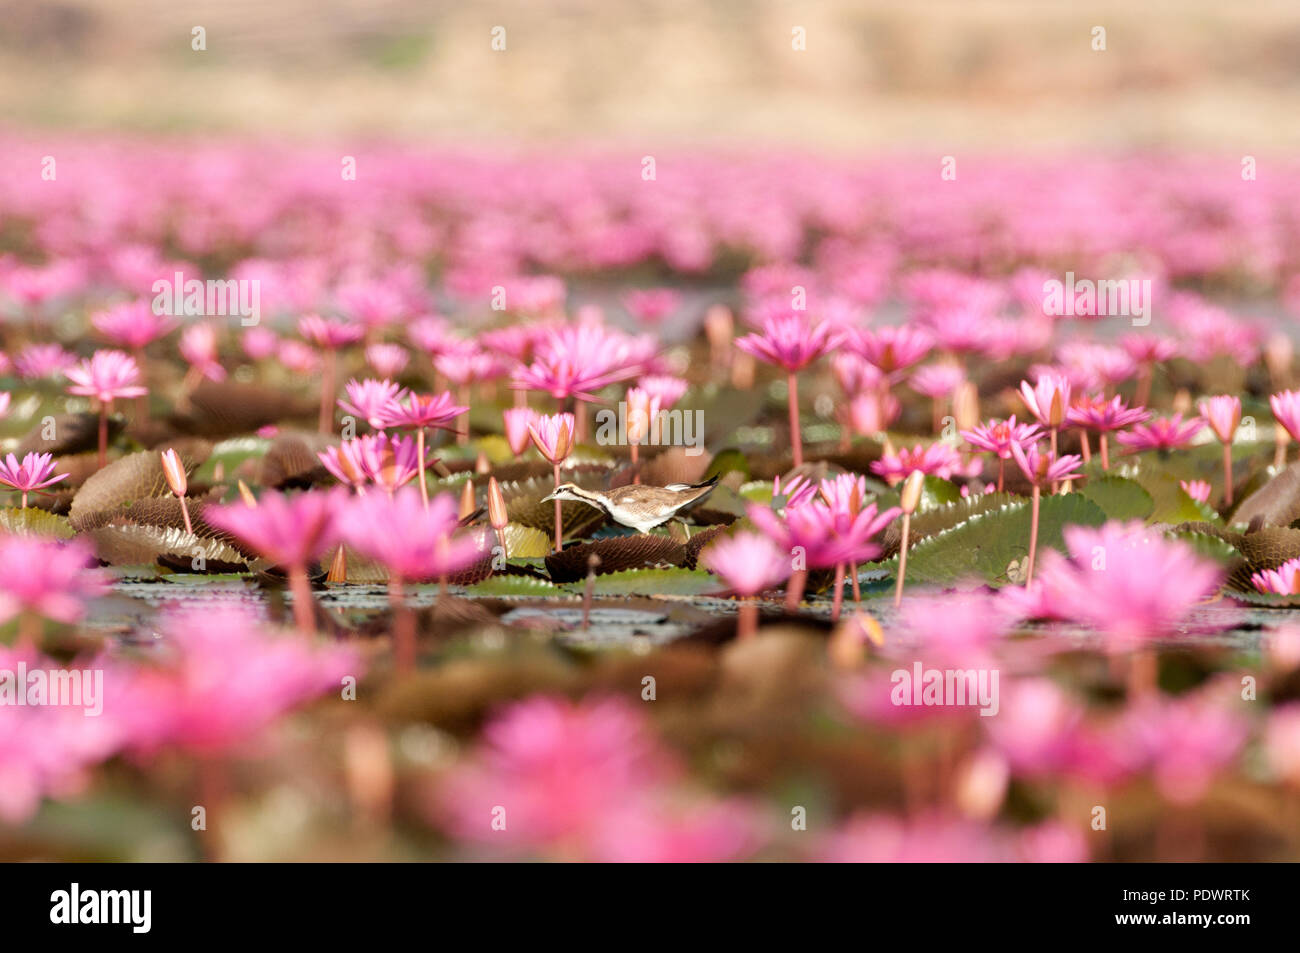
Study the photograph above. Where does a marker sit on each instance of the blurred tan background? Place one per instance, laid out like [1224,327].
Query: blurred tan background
[876,73]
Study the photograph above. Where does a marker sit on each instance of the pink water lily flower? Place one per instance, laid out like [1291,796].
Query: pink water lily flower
[518,420]
[1105,582]
[1286,410]
[891,348]
[1048,399]
[223,677]
[792,341]
[748,563]
[47,579]
[939,459]
[106,376]
[1163,434]
[38,361]
[371,400]
[198,345]
[996,437]
[1223,414]
[34,473]
[415,541]
[133,325]
[290,531]
[1282,581]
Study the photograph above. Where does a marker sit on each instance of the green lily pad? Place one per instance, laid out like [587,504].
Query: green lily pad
[515,586]
[34,522]
[655,582]
[986,545]
[1120,498]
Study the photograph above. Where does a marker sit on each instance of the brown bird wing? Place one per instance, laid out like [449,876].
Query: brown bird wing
[655,497]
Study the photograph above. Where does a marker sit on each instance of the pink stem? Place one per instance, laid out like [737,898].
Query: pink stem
[902,559]
[327,391]
[794,590]
[1227,474]
[796,438]
[419,449]
[558,531]
[837,601]
[185,512]
[103,435]
[747,620]
[1033,536]
[303,615]
[403,626]
[1105,457]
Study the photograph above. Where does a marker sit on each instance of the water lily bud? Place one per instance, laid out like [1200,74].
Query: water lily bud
[847,646]
[966,406]
[174,470]
[246,494]
[481,464]
[910,498]
[467,501]
[982,784]
[496,505]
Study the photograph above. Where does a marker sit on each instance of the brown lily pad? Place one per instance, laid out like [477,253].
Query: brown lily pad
[616,554]
[134,477]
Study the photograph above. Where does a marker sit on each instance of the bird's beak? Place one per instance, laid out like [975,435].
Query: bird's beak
[550,496]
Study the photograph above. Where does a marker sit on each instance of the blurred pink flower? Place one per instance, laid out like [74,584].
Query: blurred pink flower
[329,333]
[1106,582]
[518,420]
[939,459]
[791,341]
[48,578]
[106,376]
[37,361]
[413,542]
[1169,433]
[1282,581]
[553,436]
[371,400]
[1223,414]
[224,677]
[287,530]
[198,345]
[133,325]
[997,436]
[747,562]
[1286,410]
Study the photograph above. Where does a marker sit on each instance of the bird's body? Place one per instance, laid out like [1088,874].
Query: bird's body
[640,507]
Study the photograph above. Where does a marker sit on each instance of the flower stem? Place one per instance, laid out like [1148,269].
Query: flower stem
[1227,474]
[185,512]
[403,626]
[747,620]
[1002,473]
[837,601]
[1033,536]
[103,435]
[558,530]
[902,559]
[1105,456]
[794,590]
[419,449]
[303,615]
[327,391]
[796,438]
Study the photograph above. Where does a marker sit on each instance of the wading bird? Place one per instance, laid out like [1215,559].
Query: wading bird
[640,507]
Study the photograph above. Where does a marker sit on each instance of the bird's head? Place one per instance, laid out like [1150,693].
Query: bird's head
[564,492]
